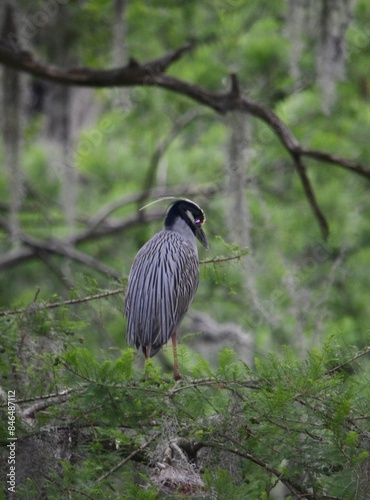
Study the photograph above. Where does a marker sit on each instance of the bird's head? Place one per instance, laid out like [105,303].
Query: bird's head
[192,214]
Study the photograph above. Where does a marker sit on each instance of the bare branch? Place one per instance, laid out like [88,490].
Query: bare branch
[97,227]
[42,405]
[132,74]
[18,410]
[102,295]
[54,246]
[292,485]
[182,190]
[60,394]
[336,160]
[301,169]
[243,252]
[152,73]
[161,148]
[53,305]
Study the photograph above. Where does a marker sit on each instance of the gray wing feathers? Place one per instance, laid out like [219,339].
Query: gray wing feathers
[162,283]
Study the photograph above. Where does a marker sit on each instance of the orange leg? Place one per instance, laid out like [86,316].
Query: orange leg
[176,373]
[147,354]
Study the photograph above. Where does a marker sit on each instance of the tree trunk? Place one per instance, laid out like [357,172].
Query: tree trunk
[12,128]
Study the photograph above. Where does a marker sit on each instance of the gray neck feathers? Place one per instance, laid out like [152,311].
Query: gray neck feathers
[180,227]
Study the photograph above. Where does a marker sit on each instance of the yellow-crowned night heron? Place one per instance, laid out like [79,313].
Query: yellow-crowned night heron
[163,280]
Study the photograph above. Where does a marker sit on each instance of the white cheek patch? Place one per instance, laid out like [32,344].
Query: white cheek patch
[190,215]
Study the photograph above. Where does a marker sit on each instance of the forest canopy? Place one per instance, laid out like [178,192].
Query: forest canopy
[258,111]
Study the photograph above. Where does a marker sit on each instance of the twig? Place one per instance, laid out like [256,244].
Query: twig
[62,393]
[161,148]
[102,295]
[69,302]
[182,190]
[129,457]
[216,260]
[310,195]
[292,485]
[345,363]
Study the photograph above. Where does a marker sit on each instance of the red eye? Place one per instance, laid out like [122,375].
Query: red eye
[197,221]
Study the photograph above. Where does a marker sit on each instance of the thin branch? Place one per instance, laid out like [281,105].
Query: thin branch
[310,195]
[102,295]
[292,485]
[161,148]
[216,260]
[336,160]
[16,256]
[53,395]
[349,361]
[129,457]
[182,190]
[54,245]
[18,410]
[53,305]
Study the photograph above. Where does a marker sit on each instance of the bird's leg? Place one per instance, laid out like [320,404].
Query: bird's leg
[176,373]
[147,356]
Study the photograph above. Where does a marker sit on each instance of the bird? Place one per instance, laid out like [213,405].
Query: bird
[163,280]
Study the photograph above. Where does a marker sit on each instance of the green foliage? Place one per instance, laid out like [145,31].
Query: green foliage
[303,423]
[296,416]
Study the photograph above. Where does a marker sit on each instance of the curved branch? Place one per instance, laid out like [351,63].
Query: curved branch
[161,148]
[301,169]
[152,73]
[132,74]
[182,190]
[102,295]
[98,227]
[69,302]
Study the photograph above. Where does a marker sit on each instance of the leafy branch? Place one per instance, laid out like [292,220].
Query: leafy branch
[109,293]
[253,415]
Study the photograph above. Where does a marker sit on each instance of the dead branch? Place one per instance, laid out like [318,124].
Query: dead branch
[67,248]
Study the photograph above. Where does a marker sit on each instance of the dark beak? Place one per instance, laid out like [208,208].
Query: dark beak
[199,233]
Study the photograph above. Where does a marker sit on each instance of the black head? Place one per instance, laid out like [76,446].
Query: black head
[192,214]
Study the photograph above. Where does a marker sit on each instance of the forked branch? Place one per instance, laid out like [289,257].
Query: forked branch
[153,73]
